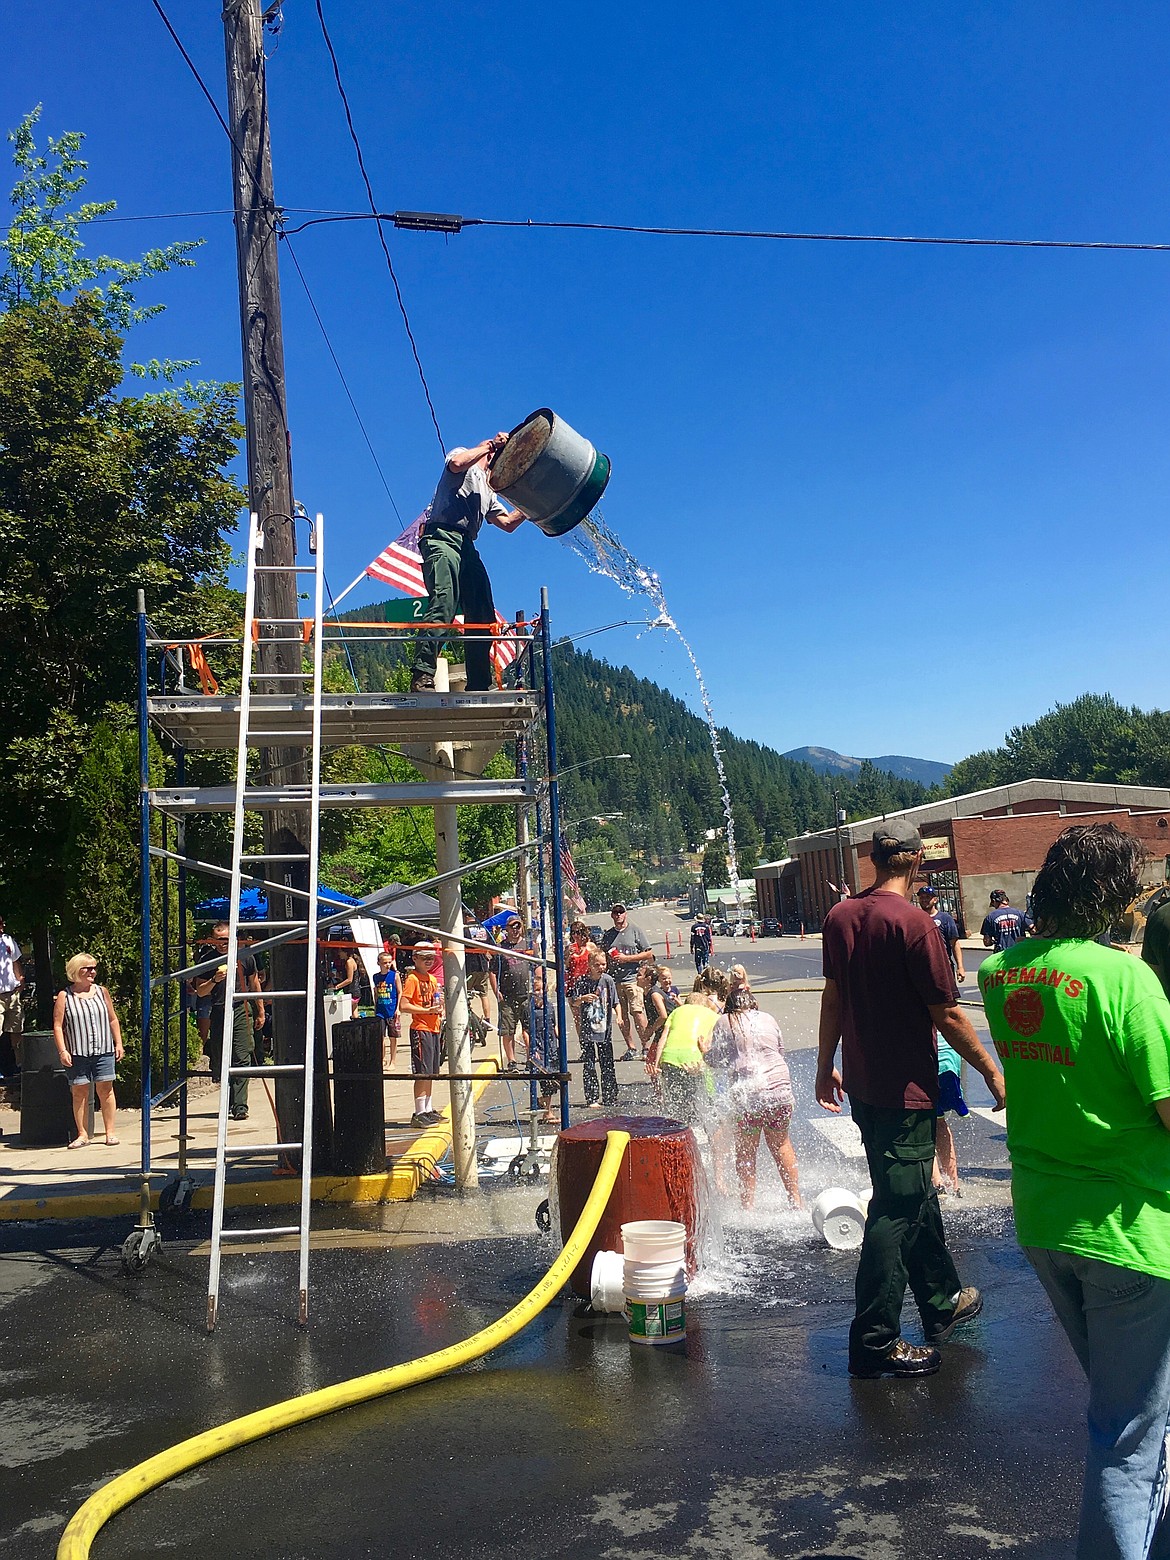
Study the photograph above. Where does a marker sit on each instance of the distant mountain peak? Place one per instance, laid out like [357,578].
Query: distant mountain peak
[826,761]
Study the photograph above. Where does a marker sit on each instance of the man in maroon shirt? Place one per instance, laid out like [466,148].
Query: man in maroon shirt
[888,986]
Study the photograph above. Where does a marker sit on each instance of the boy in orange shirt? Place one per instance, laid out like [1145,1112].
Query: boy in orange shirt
[422,1002]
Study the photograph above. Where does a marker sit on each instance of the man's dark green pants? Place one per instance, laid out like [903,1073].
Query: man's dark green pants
[456,581]
[904,1240]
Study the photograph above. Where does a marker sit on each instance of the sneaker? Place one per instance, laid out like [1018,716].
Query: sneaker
[901,1359]
[239,1113]
[422,682]
[967,1308]
[420,1119]
[432,1117]
[630,1056]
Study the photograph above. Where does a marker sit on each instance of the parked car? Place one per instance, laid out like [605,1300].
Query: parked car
[769,927]
[721,928]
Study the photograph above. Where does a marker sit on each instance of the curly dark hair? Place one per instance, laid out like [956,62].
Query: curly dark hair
[1090,874]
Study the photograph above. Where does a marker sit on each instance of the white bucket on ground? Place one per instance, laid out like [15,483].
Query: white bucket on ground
[654,1277]
[654,1240]
[606,1289]
[838,1216]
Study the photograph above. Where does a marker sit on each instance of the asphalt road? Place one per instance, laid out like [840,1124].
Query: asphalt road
[750,1442]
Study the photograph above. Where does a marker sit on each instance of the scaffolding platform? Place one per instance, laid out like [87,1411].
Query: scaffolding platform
[203,722]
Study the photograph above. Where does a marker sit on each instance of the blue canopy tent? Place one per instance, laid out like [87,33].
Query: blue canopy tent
[254,904]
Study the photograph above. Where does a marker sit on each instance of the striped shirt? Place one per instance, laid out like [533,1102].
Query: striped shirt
[87,1024]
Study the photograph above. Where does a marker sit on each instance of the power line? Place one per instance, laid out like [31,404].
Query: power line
[341,375]
[191,66]
[433,222]
[378,218]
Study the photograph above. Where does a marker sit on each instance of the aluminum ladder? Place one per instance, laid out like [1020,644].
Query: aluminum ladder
[308,735]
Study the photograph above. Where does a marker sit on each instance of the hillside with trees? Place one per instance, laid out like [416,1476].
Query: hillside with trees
[1093,738]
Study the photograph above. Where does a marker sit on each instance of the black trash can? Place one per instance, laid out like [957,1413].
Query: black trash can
[359,1116]
[46,1101]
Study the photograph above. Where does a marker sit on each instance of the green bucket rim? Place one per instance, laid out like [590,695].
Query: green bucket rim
[584,500]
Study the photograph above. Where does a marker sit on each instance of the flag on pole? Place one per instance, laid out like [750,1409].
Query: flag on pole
[400,565]
[569,881]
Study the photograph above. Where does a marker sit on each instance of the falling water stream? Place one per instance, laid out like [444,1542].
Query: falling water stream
[604,554]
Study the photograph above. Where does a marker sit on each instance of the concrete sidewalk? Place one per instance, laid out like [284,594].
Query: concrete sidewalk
[99,1181]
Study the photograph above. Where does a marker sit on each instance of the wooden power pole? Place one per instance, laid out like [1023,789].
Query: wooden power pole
[270,496]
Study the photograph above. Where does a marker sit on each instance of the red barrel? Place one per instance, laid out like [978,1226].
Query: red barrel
[661,1178]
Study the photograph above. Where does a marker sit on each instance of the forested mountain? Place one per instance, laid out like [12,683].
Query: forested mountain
[1093,738]
[667,792]
[827,762]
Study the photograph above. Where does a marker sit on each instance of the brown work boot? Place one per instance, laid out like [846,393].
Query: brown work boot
[422,682]
[901,1359]
[968,1304]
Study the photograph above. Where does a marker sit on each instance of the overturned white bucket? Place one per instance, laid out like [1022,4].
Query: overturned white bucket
[606,1290]
[838,1216]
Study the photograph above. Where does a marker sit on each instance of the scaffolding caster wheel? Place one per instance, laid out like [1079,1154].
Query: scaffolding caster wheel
[543,1217]
[138,1248]
[525,1167]
[176,1195]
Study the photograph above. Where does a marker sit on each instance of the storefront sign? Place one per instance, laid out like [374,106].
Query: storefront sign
[936,848]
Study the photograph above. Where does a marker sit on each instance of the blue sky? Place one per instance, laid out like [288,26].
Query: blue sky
[900,498]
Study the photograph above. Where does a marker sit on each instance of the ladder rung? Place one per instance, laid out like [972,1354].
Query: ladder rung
[266,641]
[264,996]
[300,736]
[269,855]
[265,1070]
[273,1229]
[261,1148]
[273,926]
[280,622]
[282,568]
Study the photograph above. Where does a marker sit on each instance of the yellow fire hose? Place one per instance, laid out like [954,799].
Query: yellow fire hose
[127,1487]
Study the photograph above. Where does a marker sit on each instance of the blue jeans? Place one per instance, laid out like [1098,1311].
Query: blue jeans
[1118,1322]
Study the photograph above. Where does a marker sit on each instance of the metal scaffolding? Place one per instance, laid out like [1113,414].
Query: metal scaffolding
[449,736]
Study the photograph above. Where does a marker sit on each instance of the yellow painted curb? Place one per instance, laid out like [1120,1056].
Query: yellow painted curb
[397,1184]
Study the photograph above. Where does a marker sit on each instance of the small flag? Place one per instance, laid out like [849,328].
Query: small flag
[400,565]
[569,879]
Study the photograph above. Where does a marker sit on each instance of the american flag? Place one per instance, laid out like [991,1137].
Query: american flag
[400,565]
[572,888]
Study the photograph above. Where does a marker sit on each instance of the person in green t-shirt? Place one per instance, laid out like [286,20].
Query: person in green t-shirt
[1083,1036]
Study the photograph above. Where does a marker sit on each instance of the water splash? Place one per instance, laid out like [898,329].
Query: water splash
[602,553]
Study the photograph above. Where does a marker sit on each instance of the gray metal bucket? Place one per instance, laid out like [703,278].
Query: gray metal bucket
[550,472]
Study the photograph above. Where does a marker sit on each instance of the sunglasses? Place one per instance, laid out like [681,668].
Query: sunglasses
[87,969]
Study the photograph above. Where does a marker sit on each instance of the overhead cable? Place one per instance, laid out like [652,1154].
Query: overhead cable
[449,223]
[375,215]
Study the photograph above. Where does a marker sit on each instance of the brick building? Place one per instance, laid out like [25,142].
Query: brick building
[985,840]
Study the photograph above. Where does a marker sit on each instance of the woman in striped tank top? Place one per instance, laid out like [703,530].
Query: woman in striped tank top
[89,1043]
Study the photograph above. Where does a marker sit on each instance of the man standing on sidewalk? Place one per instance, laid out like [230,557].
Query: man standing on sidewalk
[628,948]
[888,986]
[11,1010]
[455,577]
[1002,926]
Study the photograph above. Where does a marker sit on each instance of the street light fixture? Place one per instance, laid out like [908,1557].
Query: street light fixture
[605,758]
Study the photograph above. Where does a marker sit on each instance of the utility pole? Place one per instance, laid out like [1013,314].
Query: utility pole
[838,820]
[270,496]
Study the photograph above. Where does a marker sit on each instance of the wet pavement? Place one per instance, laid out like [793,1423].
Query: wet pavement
[752,1441]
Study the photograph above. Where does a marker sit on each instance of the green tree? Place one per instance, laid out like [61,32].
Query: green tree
[715,874]
[101,494]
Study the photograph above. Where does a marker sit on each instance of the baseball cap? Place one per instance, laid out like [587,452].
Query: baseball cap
[613,909]
[894,836]
[426,947]
[927,892]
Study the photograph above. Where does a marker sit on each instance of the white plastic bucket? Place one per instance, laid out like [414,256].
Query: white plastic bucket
[654,1240]
[606,1288]
[838,1216]
[654,1278]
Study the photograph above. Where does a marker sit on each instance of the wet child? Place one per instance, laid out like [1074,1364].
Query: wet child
[543,1051]
[594,1003]
[422,1001]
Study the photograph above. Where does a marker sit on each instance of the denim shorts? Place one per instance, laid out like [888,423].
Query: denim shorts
[92,1069]
[950,1095]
